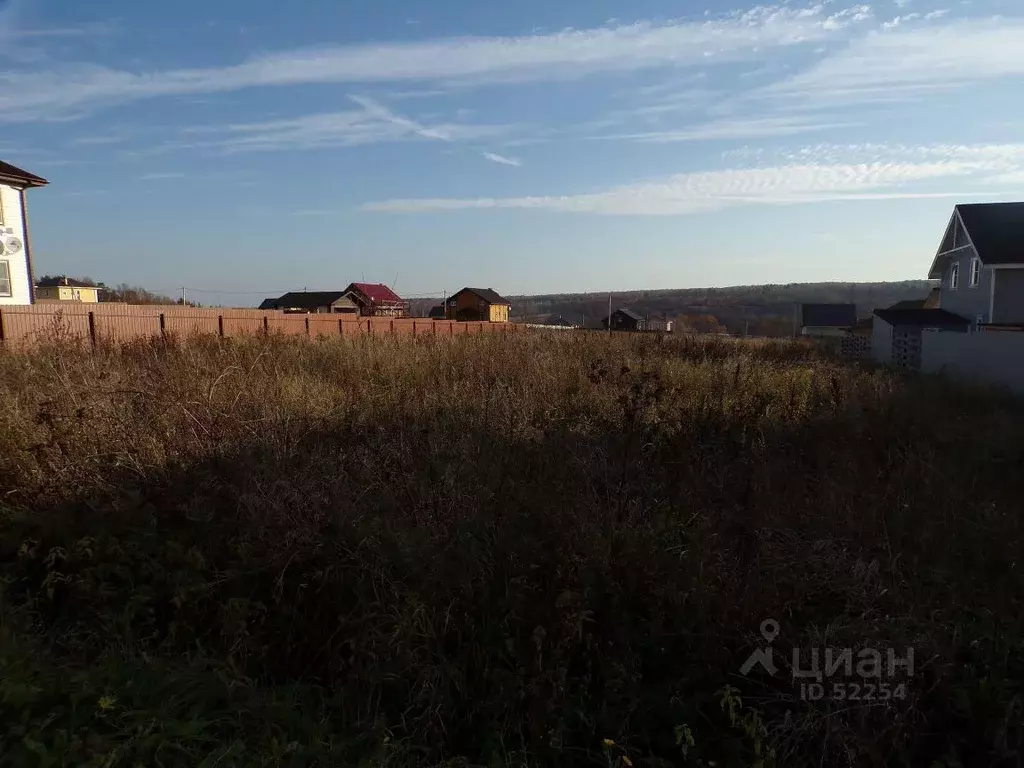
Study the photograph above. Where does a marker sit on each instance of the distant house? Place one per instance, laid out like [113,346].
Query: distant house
[16,276]
[67,289]
[376,300]
[659,324]
[559,321]
[312,302]
[827,319]
[625,320]
[478,304]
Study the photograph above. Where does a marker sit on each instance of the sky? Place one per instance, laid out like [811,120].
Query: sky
[244,148]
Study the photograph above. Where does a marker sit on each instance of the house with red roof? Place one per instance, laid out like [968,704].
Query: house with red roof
[377,300]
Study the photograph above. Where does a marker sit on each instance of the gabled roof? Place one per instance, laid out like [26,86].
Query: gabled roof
[436,313]
[828,315]
[268,304]
[924,318]
[13,173]
[304,300]
[377,293]
[996,229]
[628,313]
[487,294]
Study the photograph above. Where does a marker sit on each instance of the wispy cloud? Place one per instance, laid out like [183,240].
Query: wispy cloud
[740,128]
[501,159]
[161,176]
[371,124]
[807,182]
[79,88]
[911,60]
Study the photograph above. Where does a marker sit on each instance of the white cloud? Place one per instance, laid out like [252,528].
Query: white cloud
[75,89]
[889,176]
[909,61]
[496,158]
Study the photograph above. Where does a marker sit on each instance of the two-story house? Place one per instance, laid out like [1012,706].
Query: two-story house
[980,269]
[15,252]
[980,264]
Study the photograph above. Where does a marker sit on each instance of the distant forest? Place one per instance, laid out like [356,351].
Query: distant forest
[760,310]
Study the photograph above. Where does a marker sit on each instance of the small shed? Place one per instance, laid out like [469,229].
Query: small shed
[896,333]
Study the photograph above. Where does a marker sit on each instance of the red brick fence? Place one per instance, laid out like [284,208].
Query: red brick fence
[25,325]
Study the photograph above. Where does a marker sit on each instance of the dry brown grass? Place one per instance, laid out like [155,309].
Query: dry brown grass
[499,549]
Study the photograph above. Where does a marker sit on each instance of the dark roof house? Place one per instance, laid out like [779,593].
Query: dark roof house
[623,319]
[478,304]
[311,301]
[488,295]
[980,263]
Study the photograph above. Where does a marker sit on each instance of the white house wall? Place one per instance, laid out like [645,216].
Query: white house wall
[21,291]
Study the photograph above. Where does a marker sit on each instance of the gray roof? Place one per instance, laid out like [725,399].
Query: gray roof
[828,315]
[996,229]
[305,300]
[487,294]
[924,318]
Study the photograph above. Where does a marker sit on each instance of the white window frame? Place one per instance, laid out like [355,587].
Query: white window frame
[975,272]
[6,268]
[954,276]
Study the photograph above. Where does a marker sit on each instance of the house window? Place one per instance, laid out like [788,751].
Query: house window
[954,276]
[975,272]
[5,278]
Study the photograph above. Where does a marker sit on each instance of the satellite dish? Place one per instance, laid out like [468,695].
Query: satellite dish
[13,244]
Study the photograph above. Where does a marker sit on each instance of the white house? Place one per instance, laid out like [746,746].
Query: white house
[16,279]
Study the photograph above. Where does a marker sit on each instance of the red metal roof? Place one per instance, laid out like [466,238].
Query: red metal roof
[376,292]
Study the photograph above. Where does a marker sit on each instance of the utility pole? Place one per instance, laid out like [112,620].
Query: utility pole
[609,315]
[183,296]
[444,303]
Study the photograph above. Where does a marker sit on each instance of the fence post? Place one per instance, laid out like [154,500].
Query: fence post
[92,329]
[340,333]
[1,326]
[305,322]
[391,326]
[220,326]
[163,329]
[266,326]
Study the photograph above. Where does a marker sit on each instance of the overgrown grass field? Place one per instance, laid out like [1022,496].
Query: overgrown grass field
[504,550]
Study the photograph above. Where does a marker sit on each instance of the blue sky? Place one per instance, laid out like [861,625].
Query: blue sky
[243,149]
